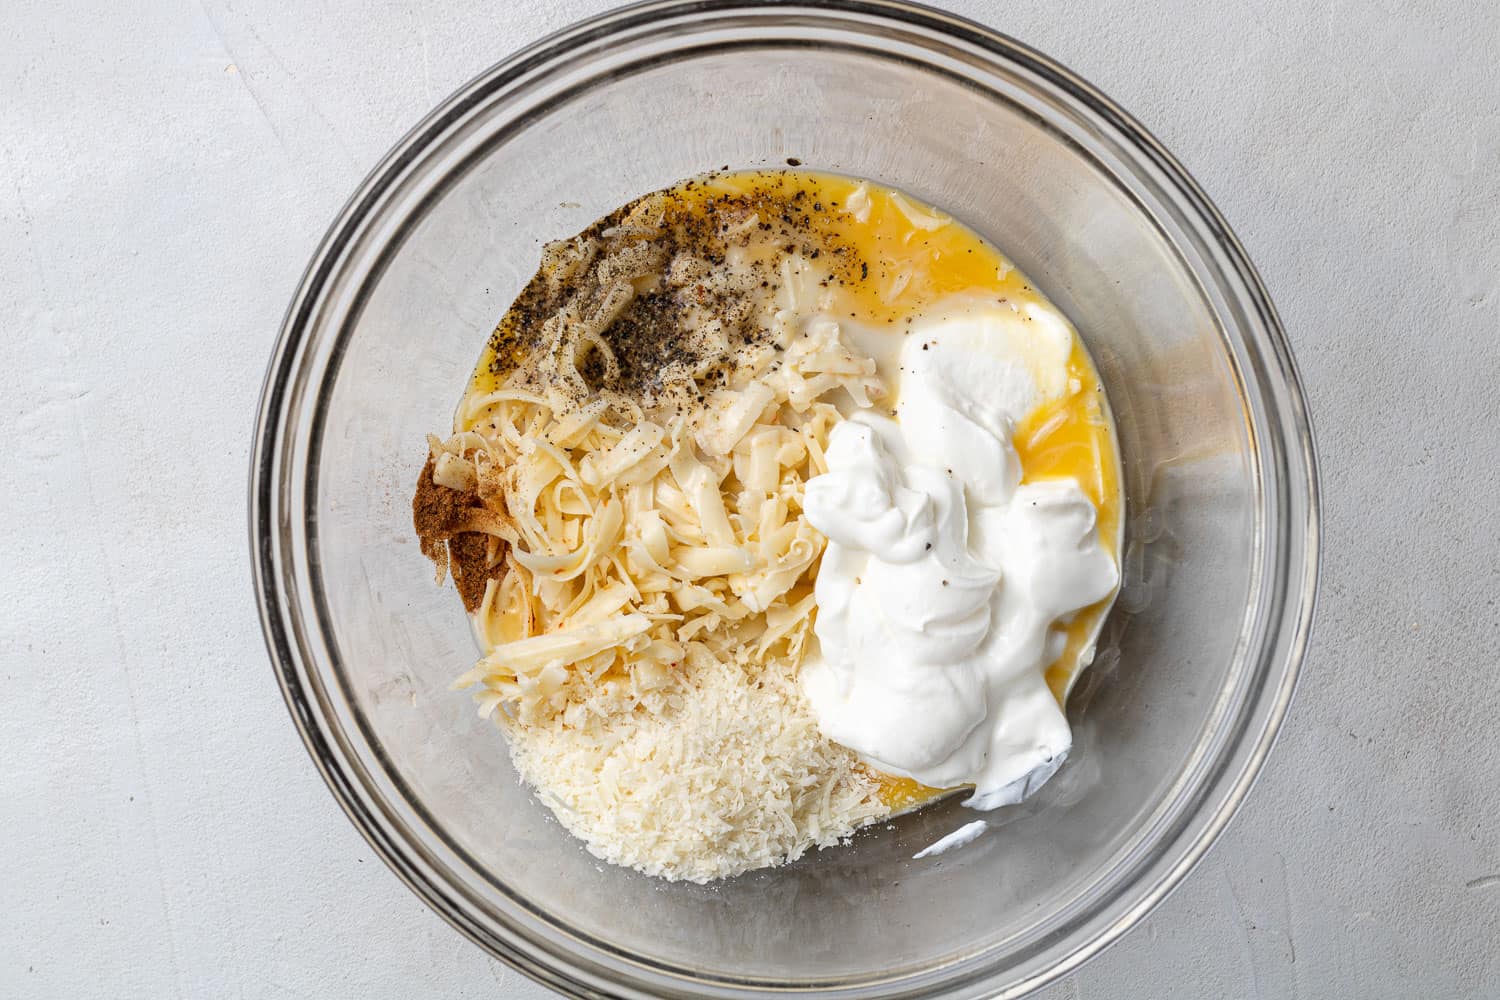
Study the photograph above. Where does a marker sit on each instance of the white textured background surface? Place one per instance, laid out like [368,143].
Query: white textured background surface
[166,169]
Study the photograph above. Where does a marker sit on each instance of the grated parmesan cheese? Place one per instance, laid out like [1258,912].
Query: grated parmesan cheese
[723,772]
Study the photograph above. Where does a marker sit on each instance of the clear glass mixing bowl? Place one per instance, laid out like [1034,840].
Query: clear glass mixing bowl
[1199,659]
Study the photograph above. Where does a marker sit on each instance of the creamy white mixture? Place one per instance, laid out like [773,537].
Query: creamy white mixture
[963,836]
[946,581]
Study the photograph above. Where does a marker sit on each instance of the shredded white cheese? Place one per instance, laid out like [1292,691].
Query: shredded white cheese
[644,630]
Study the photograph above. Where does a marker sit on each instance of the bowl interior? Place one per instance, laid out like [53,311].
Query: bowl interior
[412,304]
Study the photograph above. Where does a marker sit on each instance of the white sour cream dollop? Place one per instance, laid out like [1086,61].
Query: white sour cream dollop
[945,579]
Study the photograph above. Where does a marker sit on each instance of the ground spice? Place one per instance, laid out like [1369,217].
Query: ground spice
[441,517]
[651,337]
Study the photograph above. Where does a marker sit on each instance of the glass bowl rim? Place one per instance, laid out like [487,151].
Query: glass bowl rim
[1291,585]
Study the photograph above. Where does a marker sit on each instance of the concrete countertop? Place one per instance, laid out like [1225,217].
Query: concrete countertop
[166,169]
